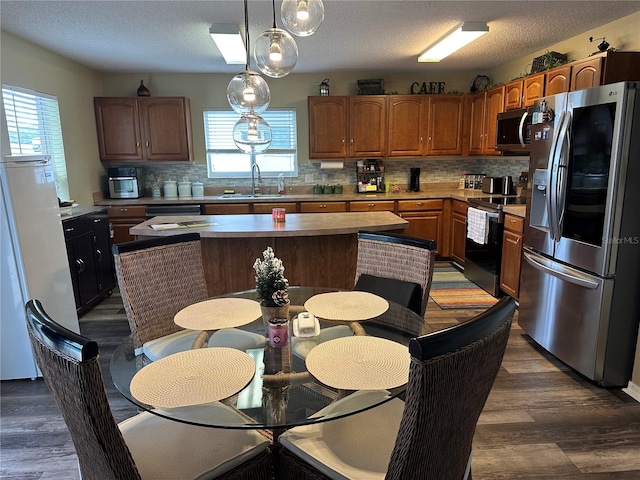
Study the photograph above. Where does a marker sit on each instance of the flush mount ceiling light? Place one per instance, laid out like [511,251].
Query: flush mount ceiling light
[302,17]
[229,41]
[275,51]
[456,39]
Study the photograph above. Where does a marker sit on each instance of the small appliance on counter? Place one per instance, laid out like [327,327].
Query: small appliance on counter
[414,180]
[370,174]
[124,182]
[492,185]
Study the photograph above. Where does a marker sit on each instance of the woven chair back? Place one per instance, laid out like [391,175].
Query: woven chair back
[446,394]
[412,261]
[69,365]
[156,283]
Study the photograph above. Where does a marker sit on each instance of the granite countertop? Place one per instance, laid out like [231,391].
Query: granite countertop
[257,226]
[298,197]
[80,211]
[518,210]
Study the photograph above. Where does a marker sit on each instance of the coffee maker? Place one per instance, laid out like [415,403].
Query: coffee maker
[414,180]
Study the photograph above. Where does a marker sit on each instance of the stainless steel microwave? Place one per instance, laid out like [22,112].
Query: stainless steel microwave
[513,131]
[124,182]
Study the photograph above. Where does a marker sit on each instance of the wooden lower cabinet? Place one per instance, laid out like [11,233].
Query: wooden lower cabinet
[123,218]
[372,206]
[226,208]
[458,230]
[511,255]
[290,207]
[426,220]
[323,207]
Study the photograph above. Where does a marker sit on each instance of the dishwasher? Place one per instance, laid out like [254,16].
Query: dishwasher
[175,210]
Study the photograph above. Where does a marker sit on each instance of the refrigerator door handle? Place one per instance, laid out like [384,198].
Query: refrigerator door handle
[552,182]
[562,272]
[562,172]
[521,128]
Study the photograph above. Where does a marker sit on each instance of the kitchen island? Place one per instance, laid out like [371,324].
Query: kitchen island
[317,249]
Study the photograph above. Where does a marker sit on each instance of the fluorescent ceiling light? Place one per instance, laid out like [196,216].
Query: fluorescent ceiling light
[454,40]
[230,43]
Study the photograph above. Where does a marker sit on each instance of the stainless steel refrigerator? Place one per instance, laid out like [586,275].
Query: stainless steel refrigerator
[580,287]
[34,259]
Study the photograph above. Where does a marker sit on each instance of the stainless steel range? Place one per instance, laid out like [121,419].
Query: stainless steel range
[483,255]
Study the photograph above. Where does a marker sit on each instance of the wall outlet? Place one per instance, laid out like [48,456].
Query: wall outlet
[308,178]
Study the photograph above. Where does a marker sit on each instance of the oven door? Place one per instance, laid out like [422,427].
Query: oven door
[482,260]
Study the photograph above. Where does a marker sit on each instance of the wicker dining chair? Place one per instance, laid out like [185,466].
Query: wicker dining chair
[398,268]
[145,446]
[430,435]
[157,278]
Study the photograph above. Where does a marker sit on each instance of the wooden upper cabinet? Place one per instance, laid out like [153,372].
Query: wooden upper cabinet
[533,89]
[445,124]
[586,73]
[328,120]
[477,117]
[166,128]
[494,105]
[513,95]
[117,121]
[408,118]
[557,80]
[367,126]
[144,129]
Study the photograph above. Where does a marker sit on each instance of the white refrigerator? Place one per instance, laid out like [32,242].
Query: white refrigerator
[34,259]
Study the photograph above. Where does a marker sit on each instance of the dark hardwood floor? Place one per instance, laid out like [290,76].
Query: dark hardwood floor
[542,420]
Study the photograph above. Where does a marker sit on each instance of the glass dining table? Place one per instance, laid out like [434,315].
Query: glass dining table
[282,392]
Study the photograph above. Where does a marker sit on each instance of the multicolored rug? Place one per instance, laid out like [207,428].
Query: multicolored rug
[451,289]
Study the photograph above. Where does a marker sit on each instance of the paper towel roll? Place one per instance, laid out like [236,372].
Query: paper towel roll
[331,164]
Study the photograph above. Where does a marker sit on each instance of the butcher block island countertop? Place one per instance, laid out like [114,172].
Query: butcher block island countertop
[317,249]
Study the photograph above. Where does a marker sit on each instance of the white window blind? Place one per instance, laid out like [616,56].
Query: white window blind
[33,124]
[225,160]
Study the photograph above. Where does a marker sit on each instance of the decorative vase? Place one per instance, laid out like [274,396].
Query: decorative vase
[143,91]
[274,312]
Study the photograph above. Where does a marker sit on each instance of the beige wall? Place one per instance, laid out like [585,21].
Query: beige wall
[26,65]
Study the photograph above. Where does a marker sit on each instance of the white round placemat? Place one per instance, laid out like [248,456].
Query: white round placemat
[360,363]
[346,306]
[217,313]
[193,377]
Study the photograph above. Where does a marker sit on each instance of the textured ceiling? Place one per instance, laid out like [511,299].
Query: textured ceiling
[172,36]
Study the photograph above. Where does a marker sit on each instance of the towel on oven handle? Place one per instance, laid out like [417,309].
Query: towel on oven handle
[478,225]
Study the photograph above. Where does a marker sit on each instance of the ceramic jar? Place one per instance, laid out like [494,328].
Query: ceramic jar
[171,188]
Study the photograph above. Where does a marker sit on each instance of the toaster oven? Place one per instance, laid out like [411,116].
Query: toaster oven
[124,182]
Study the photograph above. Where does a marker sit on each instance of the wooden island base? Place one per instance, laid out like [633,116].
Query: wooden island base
[317,249]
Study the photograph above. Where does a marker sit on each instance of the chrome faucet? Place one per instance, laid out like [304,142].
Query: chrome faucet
[254,167]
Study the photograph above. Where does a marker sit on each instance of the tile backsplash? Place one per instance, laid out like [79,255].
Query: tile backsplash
[433,170]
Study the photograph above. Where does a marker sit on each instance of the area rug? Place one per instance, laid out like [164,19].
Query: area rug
[451,289]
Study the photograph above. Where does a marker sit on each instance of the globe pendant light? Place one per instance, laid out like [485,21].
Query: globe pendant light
[275,51]
[252,134]
[249,95]
[302,17]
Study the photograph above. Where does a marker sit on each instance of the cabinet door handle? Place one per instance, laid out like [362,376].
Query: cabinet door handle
[99,254]
[68,229]
[137,144]
[371,204]
[97,220]
[123,209]
[323,206]
[419,204]
[80,264]
[147,144]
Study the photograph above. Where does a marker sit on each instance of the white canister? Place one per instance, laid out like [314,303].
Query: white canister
[184,189]
[197,189]
[170,188]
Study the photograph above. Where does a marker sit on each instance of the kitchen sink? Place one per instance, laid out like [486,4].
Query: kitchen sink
[246,196]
